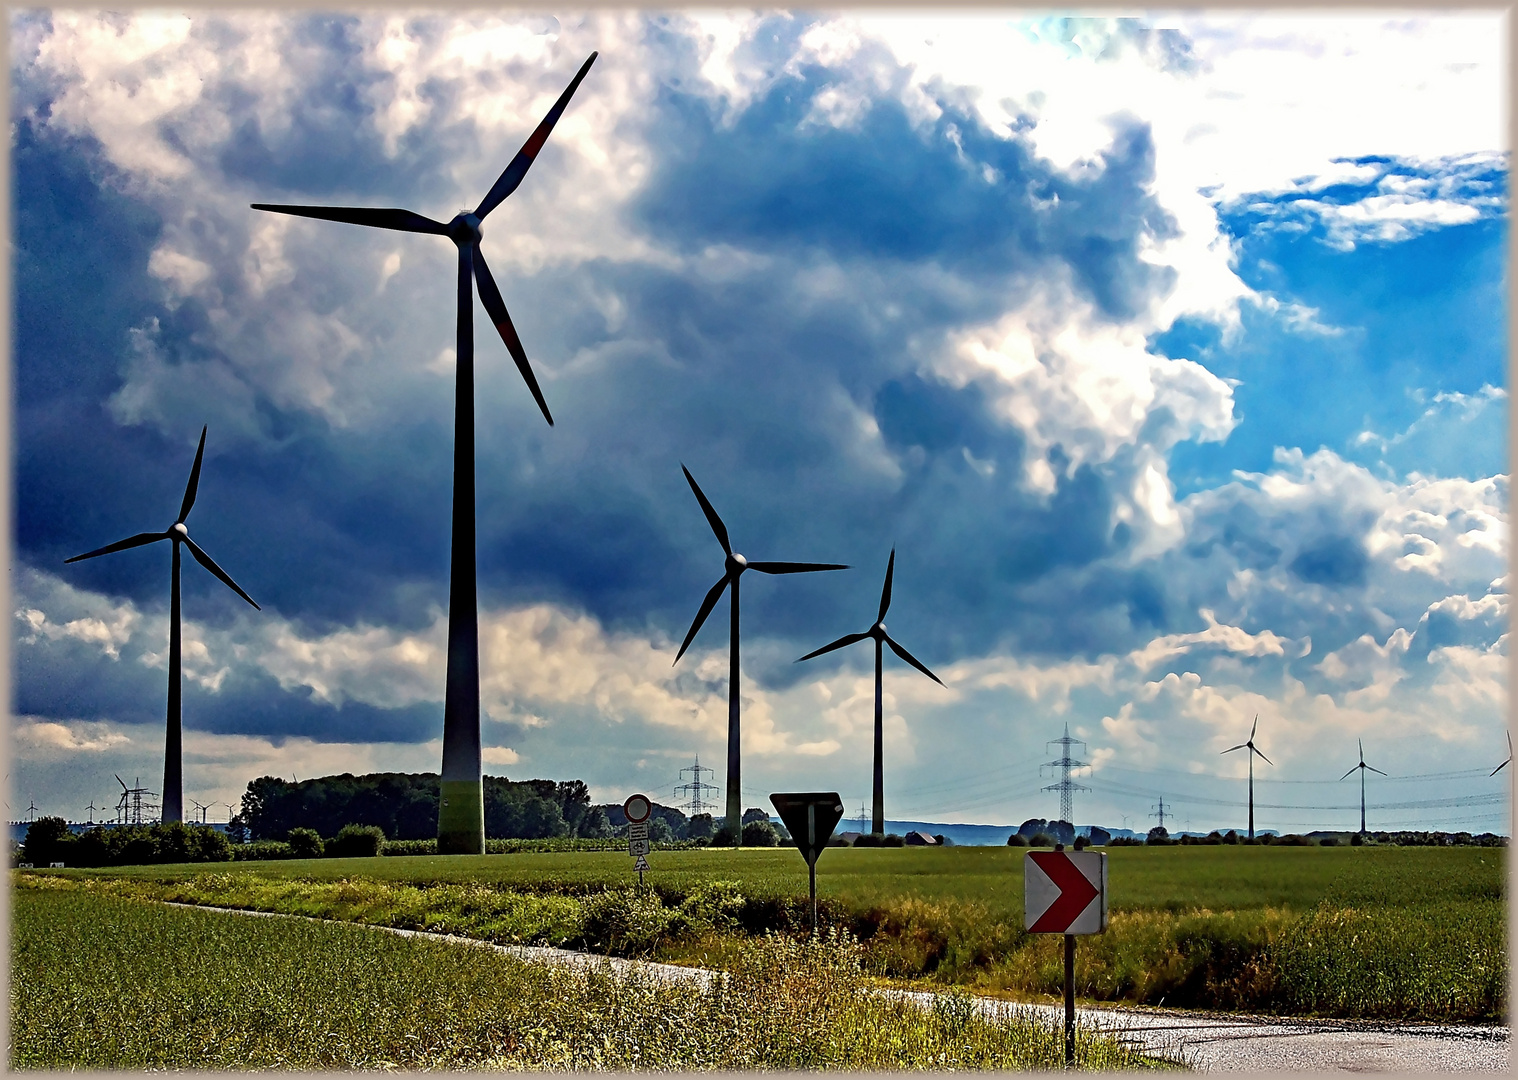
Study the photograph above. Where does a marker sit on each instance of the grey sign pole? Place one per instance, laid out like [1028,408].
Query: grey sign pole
[1069,1001]
[811,867]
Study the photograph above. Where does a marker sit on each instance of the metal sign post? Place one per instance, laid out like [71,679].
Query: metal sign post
[638,809]
[1065,892]
[811,817]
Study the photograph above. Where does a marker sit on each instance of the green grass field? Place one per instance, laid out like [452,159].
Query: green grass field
[1369,931]
[99,982]
[1180,879]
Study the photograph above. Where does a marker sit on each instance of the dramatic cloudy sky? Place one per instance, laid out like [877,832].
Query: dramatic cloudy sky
[1168,353]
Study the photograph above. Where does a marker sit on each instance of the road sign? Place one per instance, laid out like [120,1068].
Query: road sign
[811,817]
[637,847]
[641,865]
[637,830]
[637,808]
[1065,892]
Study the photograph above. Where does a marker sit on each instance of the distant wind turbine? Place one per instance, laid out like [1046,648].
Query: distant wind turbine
[1362,767]
[878,633]
[1253,750]
[173,774]
[733,567]
[1504,765]
[202,808]
[461,805]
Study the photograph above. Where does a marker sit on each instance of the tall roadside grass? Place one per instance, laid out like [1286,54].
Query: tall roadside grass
[99,981]
[1350,956]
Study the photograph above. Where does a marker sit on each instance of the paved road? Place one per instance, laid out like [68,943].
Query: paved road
[1211,1042]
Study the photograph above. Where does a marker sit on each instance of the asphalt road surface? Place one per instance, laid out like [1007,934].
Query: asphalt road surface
[1209,1042]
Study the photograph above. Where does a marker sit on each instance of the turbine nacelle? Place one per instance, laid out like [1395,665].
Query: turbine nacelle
[179,531]
[735,564]
[464,230]
[878,630]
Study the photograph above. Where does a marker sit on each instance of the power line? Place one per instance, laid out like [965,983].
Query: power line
[695,790]
[1064,763]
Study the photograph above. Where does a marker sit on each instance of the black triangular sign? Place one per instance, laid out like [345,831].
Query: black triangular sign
[811,817]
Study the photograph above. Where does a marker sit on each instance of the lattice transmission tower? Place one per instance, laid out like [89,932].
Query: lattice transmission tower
[1065,764]
[695,790]
[1160,812]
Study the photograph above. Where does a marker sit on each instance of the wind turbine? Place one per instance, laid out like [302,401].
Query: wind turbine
[92,808]
[878,633]
[202,808]
[31,811]
[461,805]
[733,567]
[173,774]
[1504,765]
[1362,767]
[1249,745]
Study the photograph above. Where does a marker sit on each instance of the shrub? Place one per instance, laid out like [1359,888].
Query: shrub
[1357,839]
[760,834]
[1017,840]
[1042,839]
[261,849]
[356,841]
[626,922]
[304,843]
[1329,841]
[1230,837]
[892,840]
[48,840]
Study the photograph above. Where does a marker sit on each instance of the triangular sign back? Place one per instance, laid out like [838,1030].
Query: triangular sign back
[811,816]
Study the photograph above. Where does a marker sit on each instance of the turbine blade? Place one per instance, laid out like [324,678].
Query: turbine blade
[712,596]
[1373,769]
[847,639]
[194,484]
[495,307]
[210,564]
[909,658]
[512,176]
[1253,726]
[711,515]
[375,217]
[1499,768]
[1346,775]
[1231,749]
[1261,753]
[122,545]
[885,592]
[794,567]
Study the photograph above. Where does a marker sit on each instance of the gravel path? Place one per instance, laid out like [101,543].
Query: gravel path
[1211,1042]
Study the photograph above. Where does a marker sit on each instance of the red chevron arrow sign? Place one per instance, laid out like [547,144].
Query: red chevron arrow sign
[1065,892]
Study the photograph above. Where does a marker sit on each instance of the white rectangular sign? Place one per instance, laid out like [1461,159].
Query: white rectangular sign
[637,830]
[1065,892]
[637,847]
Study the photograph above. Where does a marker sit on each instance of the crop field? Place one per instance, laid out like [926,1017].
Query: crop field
[104,982]
[1369,932]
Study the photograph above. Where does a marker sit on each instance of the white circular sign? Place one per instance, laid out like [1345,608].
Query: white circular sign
[637,808]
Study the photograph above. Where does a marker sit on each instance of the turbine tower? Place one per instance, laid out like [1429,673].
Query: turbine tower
[1362,767]
[1250,746]
[461,803]
[733,567]
[173,763]
[1066,787]
[878,633]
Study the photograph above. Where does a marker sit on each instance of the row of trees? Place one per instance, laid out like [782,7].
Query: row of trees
[405,805]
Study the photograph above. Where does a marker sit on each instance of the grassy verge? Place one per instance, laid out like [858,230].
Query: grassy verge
[1364,950]
[100,981]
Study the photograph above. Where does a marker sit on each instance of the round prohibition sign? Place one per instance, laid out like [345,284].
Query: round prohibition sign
[637,808]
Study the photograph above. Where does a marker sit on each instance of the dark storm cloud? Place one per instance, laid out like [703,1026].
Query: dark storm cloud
[954,195]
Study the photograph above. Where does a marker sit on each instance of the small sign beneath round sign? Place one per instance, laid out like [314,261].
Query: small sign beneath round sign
[637,808]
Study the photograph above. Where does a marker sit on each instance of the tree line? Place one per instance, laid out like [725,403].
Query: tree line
[405,806]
